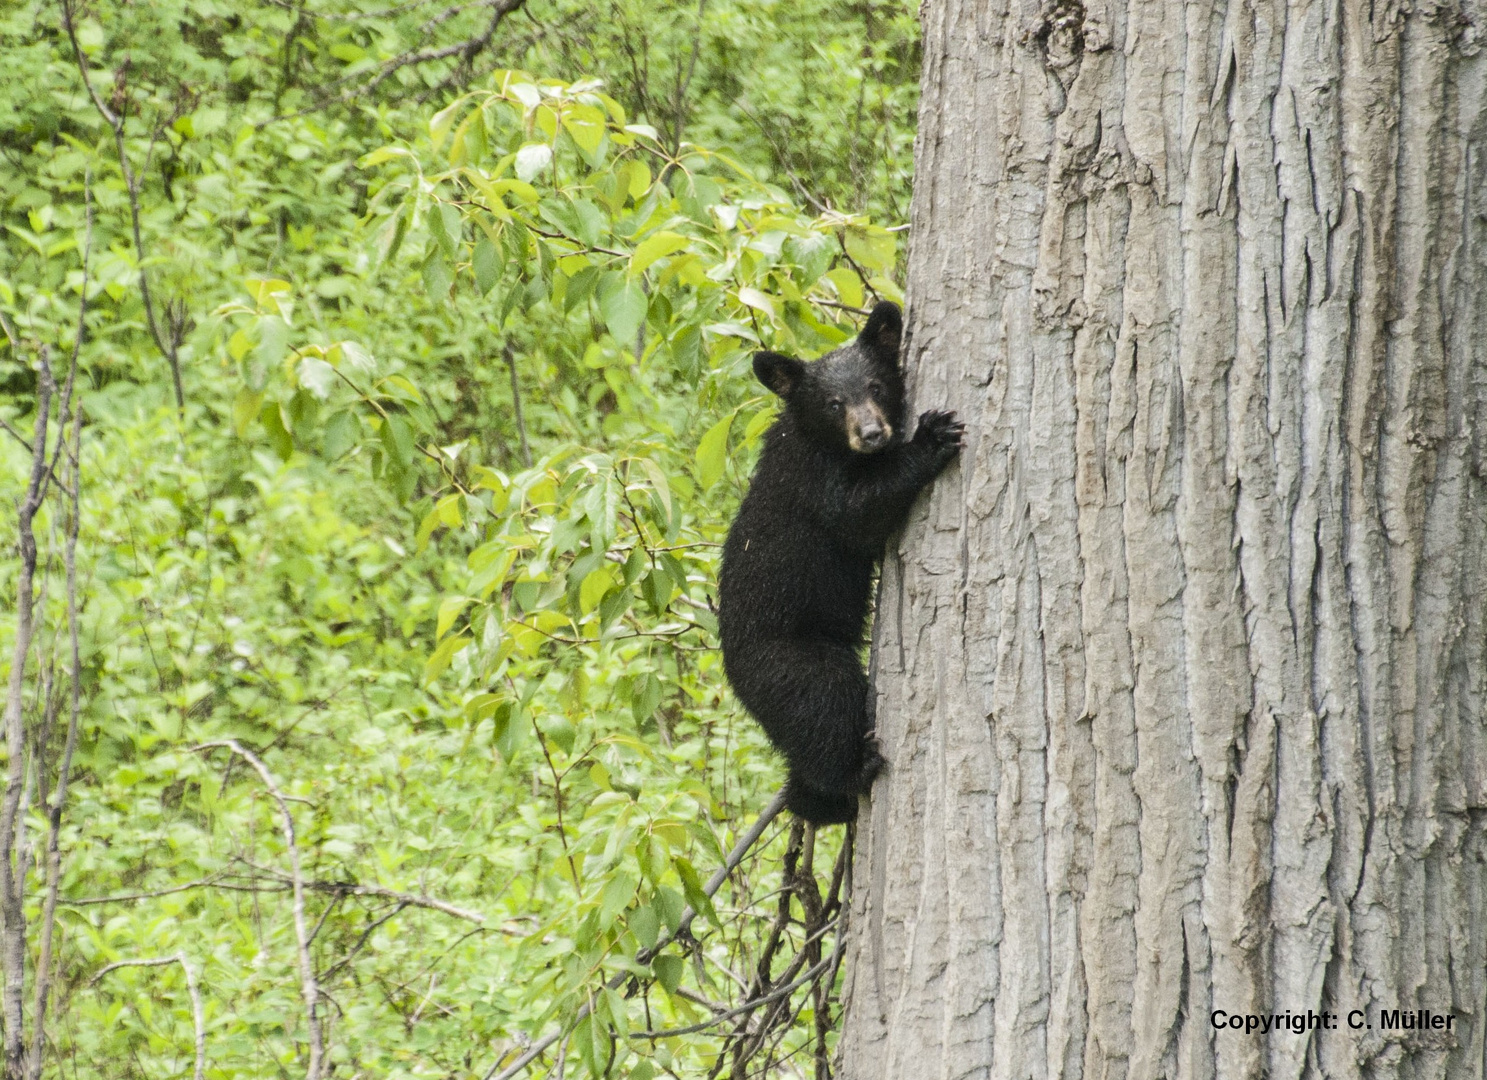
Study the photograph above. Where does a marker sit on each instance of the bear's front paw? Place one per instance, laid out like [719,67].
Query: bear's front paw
[941,432]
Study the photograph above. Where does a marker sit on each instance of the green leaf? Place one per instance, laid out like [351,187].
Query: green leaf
[660,485]
[669,905]
[645,697]
[697,898]
[532,160]
[595,585]
[443,120]
[273,341]
[617,894]
[316,376]
[589,222]
[872,247]
[623,306]
[383,154]
[487,264]
[442,656]
[436,275]
[756,300]
[848,286]
[397,440]
[645,925]
[586,126]
[449,610]
[656,246]
[342,431]
[759,423]
[272,419]
[637,177]
[635,565]
[712,452]
[669,970]
[813,253]
[245,407]
[511,730]
[618,1012]
[239,345]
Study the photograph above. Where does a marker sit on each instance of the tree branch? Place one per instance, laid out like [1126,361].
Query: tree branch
[521,424]
[12,869]
[352,888]
[127,898]
[714,883]
[466,50]
[169,346]
[309,987]
[198,1018]
[64,770]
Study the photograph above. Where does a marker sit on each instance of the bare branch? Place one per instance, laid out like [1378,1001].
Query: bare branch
[198,1018]
[345,888]
[169,345]
[355,16]
[521,424]
[309,987]
[286,882]
[12,861]
[754,1003]
[366,935]
[127,898]
[645,956]
[75,667]
[714,883]
[13,433]
[465,50]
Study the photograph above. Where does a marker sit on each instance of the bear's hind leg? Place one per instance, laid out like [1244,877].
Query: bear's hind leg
[811,698]
[819,807]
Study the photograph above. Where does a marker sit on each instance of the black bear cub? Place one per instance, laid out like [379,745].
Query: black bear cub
[835,479]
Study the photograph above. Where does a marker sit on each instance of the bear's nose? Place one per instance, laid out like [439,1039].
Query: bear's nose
[872,435]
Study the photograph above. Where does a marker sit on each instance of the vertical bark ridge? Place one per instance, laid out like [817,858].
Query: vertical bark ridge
[1182,671]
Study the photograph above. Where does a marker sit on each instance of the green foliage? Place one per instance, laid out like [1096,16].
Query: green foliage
[486,683]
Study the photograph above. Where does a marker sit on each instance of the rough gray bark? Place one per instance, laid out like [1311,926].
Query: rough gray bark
[1181,671]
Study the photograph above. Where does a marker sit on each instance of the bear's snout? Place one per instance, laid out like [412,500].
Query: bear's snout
[868,430]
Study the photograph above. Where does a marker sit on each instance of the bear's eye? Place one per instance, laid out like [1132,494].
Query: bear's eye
[875,388]
[836,405]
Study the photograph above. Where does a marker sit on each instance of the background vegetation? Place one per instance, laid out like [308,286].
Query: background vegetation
[375,396]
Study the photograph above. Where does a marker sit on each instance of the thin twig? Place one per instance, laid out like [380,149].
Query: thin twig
[840,307]
[557,786]
[198,1018]
[128,898]
[353,888]
[366,936]
[751,1005]
[466,51]
[356,16]
[521,424]
[12,861]
[714,883]
[309,987]
[64,770]
[169,345]
[13,433]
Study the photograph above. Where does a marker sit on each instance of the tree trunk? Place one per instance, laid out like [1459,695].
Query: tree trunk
[1181,671]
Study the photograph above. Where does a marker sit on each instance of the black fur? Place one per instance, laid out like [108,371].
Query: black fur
[836,478]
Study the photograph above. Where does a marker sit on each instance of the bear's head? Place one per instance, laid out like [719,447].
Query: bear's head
[853,397]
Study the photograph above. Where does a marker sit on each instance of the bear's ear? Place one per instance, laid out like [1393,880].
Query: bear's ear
[780,373]
[884,327]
